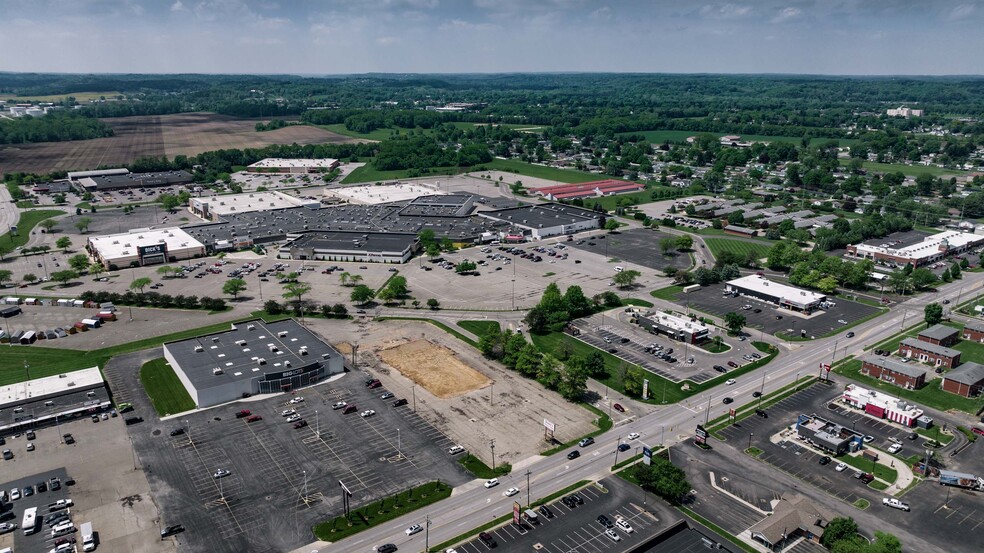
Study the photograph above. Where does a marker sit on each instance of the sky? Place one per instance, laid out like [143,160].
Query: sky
[315,37]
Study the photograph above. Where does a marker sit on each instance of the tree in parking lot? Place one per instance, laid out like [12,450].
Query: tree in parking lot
[684,242]
[667,245]
[82,223]
[662,478]
[64,243]
[65,276]
[295,291]
[933,314]
[140,284]
[626,278]
[362,294]
[79,262]
[233,287]
[612,225]
[28,278]
[96,269]
[6,275]
[955,271]
[433,304]
[166,270]
[734,322]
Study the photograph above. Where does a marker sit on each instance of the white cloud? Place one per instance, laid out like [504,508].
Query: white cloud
[177,6]
[961,12]
[462,25]
[387,40]
[725,11]
[602,13]
[786,14]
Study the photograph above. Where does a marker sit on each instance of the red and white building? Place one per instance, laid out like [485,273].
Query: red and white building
[595,189]
[882,406]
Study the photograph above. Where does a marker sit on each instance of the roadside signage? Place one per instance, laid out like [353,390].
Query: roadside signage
[701,435]
[731,413]
[549,425]
[516,509]
[645,388]
[824,371]
[647,455]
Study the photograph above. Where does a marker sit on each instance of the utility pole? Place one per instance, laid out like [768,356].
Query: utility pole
[492,445]
[413,391]
[762,389]
[427,526]
[529,500]
[617,444]
[707,412]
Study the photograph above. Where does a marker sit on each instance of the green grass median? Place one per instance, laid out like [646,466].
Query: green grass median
[381,511]
[166,391]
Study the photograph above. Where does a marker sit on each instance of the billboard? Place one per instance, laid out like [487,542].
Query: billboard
[549,425]
[516,509]
[701,435]
[647,455]
[645,388]
[824,371]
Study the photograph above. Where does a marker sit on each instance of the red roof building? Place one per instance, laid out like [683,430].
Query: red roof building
[594,189]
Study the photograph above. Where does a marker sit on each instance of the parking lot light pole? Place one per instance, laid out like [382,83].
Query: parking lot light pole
[529,500]
[750,434]
[413,392]
[398,444]
[317,424]
[304,498]
[492,445]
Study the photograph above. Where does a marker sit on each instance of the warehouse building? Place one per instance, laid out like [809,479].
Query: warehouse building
[926,352]
[134,180]
[253,357]
[827,435]
[544,220]
[370,247]
[788,297]
[966,380]
[678,328]
[52,399]
[293,166]
[882,406]
[886,369]
[141,247]
[214,208]
[929,250]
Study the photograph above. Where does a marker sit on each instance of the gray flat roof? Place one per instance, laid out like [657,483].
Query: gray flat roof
[356,241]
[968,373]
[547,215]
[895,366]
[939,332]
[974,325]
[142,179]
[240,361]
[932,348]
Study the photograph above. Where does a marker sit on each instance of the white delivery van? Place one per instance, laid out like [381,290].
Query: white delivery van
[88,541]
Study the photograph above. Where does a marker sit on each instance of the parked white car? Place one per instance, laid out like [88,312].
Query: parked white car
[624,526]
[895,448]
[841,467]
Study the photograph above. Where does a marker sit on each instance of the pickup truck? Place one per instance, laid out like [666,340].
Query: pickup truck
[895,503]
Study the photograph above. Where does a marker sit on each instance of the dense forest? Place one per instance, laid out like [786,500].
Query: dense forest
[54,127]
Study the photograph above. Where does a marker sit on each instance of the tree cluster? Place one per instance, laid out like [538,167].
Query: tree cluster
[817,270]
[569,379]
[841,536]
[555,310]
[154,299]
[663,478]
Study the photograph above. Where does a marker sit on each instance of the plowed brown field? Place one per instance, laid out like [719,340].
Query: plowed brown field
[170,135]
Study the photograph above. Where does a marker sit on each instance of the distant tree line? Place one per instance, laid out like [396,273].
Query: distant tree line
[57,126]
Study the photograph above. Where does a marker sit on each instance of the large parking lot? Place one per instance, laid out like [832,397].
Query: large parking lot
[283,480]
[577,530]
[639,246]
[610,331]
[770,319]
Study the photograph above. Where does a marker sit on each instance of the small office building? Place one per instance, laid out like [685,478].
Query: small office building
[925,352]
[882,406]
[886,369]
[793,517]
[827,435]
[293,166]
[678,328]
[144,247]
[785,296]
[363,247]
[253,357]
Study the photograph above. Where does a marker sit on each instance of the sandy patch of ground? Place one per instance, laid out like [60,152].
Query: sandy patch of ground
[434,367]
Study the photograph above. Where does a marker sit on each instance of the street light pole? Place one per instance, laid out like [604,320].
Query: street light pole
[750,434]
[492,445]
[617,444]
[317,424]
[528,491]
[413,391]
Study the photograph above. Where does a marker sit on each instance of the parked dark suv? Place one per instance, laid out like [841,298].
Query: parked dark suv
[605,521]
[487,539]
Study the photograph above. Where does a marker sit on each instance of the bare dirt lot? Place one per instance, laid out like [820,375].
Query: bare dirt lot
[434,367]
[509,408]
[170,135]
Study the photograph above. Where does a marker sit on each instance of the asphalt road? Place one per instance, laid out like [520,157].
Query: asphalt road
[473,505]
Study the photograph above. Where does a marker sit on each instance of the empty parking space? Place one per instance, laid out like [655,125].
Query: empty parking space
[576,529]
[638,246]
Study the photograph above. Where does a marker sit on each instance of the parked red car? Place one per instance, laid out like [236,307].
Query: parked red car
[350,409]
[618,407]
[254,418]
[243,413]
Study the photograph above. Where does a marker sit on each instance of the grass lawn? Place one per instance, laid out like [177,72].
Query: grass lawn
[910,170]
[636,198]
[381,511]
[637,302]
[165,390]
[970,351]
[367,173]
[715,347]
[479,328]
[530,170]
[79,97]
[669,293]
[475,466]
[862,503]
[658,137]
[930,395]
[28,219]
[880,471]
[740,247]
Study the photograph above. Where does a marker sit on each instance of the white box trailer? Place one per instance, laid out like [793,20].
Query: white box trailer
[88,540]
[92,323]
[64,303]
[12,300]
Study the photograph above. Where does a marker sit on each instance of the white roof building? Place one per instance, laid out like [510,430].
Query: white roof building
[775,292]
[930,249]
[292,165]
[145,247]
[214,207]
[50,385]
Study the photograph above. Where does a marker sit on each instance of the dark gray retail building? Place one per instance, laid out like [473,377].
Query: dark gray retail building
[253,357]
[378,247]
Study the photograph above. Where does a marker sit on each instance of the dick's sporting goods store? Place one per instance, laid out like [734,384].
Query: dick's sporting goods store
[152,255]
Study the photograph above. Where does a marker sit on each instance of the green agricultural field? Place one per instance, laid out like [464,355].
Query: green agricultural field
[740,247]
[911,170]
[367,173]
[385,134]
[658,137]
[164,388]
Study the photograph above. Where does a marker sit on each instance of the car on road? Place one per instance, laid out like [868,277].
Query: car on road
[492,483]
[895,503]
[618,407]
[386,395]
[585,442]
[511,492]
[386,548]
[287,412]
[727,400]
[367,413]
[730,381]
[400,402]
[573,455]
[613,535]
[825,460]
[624,526]
[841,467]
[756,394]
[633,435]
[623,447]
[850,335]
[221,473]
[338,405]
[413,529]
[294,418]
[254,418]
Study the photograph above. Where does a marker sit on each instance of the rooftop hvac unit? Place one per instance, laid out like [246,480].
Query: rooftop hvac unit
[272,347]
[217,371]
[250,327]
[199,349]
[286,363]
[325,355]
[303,350]
[240,342]
[282,333]
[261,361]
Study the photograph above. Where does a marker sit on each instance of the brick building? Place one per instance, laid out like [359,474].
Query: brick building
[905,375]
[926,352]
[966,380]
[974,331]
[941,335]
